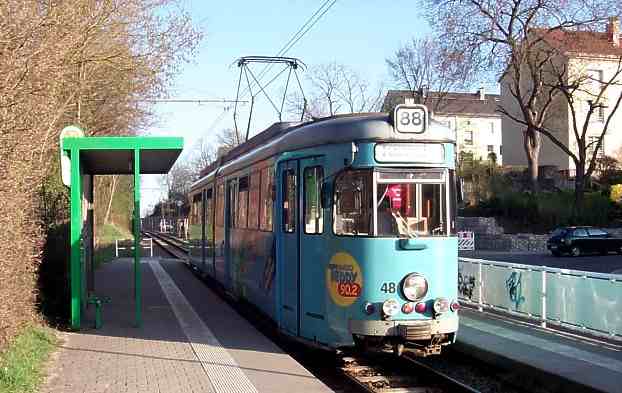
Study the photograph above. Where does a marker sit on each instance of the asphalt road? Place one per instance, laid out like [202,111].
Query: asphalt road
[611,263]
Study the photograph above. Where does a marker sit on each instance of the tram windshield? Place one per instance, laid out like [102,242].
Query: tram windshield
[391,203]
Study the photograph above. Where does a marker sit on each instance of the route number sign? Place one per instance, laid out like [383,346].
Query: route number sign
[411,119]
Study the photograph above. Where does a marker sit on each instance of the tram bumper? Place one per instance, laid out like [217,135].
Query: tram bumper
[409,330]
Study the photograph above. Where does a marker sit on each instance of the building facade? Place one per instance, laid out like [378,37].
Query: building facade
[472,116]
[592,60]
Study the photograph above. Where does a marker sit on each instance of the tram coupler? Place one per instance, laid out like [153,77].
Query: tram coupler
[98,302]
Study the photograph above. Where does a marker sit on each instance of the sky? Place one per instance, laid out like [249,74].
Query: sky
[359,34]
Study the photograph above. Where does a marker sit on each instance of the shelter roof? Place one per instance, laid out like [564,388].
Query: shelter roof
[114,155]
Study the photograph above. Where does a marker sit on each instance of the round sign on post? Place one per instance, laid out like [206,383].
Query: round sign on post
[65,160]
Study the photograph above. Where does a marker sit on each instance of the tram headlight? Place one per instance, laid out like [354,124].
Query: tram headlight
[414,287]
[390,307]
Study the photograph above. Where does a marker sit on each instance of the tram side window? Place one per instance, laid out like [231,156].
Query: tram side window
[265,213]
[195,212]
[289,201]
[314,220]
[242,202]
[220,209]
[353,203]
[232,203]
[253,201]
[208,215]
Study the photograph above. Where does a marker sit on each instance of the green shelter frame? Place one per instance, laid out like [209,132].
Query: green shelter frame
[82,158]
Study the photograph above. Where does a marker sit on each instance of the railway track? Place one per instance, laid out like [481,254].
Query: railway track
[171,244]
[375,373]
[385,373]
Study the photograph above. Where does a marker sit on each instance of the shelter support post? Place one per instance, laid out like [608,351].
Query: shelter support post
[137,247]
[76,239]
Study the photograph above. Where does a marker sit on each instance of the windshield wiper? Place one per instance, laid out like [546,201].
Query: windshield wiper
[399,219]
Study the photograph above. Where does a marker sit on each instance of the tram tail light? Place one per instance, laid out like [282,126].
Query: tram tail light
[455,306]
[420,308]
[407,308]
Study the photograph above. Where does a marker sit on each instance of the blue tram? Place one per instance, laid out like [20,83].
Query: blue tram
[341,230]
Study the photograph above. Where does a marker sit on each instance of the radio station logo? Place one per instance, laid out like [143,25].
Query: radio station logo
[344,279]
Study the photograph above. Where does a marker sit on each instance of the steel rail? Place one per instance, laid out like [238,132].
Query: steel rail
[375,376]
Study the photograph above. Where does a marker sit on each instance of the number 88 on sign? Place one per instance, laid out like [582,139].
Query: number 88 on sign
[410,118]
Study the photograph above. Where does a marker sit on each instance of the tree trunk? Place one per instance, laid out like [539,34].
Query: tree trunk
[579,190]
[532,142]
[112,187]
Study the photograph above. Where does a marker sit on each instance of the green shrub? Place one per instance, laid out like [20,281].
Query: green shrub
[527,212]
[616,193]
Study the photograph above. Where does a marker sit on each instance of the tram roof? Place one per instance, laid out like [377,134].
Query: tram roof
[330,130]
[114,155]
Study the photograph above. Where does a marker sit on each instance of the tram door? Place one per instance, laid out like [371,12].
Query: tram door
[300,228]
[288,258]
[312,249]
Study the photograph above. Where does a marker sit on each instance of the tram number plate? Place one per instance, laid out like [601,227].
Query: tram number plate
[347,289]
[388,287]
[411,119]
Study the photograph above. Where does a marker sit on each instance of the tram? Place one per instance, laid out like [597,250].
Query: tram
[341,230]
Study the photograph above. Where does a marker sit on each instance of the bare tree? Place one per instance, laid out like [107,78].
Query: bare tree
[587,97]
[495,38]
[423,65]
[334,89]
[75,61]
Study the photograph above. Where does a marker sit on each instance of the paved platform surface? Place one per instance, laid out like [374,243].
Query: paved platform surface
[559,363]
[190,341]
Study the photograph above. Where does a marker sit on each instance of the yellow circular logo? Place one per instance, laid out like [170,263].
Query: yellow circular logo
[344,279]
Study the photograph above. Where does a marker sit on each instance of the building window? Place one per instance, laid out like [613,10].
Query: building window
[491,149]
[468,137]
[594,81]
[492,128]
[600,111]
[500,150]
[591,145]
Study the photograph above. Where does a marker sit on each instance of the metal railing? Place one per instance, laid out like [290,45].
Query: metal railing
[147,246]
[584,302]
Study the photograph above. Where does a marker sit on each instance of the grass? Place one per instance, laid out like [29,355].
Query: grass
[21,365]
[104,252]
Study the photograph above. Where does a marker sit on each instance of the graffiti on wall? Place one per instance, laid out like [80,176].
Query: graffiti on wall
[513,285]
[466,285]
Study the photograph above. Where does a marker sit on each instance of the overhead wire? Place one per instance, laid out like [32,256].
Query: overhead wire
[296,37]
[313,19]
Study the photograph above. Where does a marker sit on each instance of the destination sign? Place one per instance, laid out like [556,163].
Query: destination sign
[429,153]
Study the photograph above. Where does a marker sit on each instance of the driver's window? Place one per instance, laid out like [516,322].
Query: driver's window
[353,203]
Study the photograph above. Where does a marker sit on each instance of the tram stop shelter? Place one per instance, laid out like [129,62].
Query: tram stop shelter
[84,157]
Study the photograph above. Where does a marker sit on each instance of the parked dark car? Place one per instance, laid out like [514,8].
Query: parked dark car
[582,240]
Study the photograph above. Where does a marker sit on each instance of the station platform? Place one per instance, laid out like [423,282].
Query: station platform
[555,362]
[190,341]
